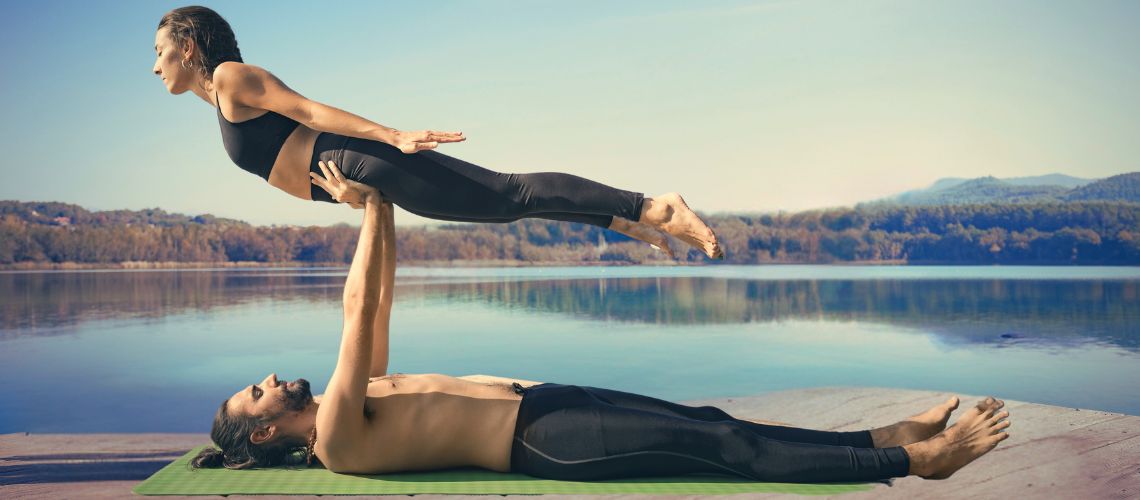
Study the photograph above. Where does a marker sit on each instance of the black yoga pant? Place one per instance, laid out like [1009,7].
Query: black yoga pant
[580,433]
[437,186]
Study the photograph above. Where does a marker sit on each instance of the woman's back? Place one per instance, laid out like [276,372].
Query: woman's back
[265,143]
[253,144]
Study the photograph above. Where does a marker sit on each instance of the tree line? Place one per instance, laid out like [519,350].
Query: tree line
[1044,233]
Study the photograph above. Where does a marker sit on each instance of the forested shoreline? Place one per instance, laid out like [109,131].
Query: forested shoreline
[1095,232]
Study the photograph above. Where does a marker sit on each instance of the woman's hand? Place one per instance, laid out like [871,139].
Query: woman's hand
[412,142]
[341,189]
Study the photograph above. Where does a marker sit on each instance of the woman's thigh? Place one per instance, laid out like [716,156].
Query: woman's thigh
[428,182]
[436,185]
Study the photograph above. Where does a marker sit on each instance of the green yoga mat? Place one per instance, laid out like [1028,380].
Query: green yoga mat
[178,479]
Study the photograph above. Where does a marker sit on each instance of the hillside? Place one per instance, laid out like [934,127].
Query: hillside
[50,213]
[1078,232]
[1123,187]
[1036,189]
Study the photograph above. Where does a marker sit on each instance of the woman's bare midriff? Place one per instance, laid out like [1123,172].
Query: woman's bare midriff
[290,171]
[291,168]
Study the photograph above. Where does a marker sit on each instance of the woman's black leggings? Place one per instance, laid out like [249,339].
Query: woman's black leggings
[437,186]
[580,433]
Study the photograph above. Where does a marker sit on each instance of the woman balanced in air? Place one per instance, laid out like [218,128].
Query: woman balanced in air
[272,131]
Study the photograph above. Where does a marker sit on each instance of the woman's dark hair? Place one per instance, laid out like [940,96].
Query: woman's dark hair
[231,433]
[212,36]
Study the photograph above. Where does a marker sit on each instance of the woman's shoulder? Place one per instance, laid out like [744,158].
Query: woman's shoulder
[237,80]
[233,76]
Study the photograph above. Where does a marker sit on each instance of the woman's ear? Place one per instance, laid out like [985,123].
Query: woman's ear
[189,48]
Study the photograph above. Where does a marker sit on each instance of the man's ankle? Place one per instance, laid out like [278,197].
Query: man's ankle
[919,456]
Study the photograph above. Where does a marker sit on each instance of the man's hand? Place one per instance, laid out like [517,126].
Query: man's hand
[341,189]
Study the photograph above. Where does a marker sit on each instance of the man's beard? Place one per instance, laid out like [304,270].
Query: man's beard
[297,397]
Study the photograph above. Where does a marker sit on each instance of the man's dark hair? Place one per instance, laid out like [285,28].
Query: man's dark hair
[231,433]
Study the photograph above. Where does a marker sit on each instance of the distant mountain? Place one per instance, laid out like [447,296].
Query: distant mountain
[1049,180]
[1042,188]
[990,189]
[1123,187]
[52,213]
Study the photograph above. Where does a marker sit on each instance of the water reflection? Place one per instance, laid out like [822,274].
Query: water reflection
[1001,311]
[38,304]
[157,351]
[970,310]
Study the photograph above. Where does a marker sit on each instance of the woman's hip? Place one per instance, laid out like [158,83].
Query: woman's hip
[327,148]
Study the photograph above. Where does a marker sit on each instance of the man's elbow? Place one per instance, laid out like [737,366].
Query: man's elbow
[361,304]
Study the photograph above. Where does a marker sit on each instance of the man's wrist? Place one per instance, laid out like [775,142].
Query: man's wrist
[372,197]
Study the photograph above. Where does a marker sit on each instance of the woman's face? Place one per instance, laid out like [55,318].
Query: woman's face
[168,64]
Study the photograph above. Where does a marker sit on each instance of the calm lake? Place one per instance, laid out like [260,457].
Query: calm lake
[158,351]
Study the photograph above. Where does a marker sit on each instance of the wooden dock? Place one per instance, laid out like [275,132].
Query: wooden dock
[1052,452]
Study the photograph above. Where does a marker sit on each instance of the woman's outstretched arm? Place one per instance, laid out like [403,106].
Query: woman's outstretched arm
[256,87]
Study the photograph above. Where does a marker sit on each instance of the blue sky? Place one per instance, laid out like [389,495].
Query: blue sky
[740,106]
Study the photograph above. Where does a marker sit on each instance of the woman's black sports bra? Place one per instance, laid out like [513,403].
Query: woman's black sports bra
[254,144]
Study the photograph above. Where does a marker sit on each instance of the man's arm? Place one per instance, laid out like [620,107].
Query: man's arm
[343,405]
[387,284]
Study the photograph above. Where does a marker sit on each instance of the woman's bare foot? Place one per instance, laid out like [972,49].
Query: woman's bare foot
[917,428]
[639,231]
[974,434]
[670,214]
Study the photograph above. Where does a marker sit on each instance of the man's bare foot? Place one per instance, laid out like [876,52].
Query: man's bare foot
[639,231]
[917,428]
[670,214]
[974,434]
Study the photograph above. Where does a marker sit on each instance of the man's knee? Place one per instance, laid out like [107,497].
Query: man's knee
[713,413]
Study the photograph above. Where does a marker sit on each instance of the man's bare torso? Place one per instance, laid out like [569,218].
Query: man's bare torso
[430,421]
